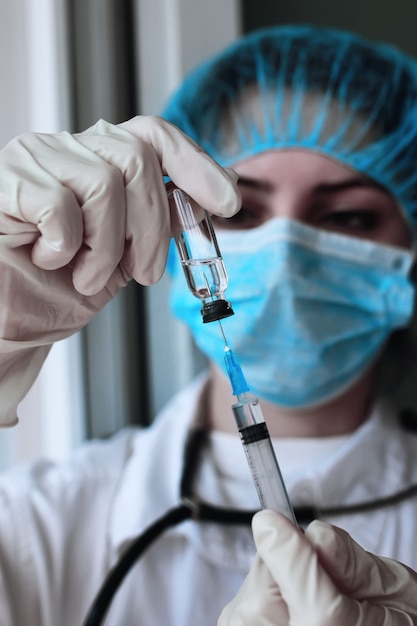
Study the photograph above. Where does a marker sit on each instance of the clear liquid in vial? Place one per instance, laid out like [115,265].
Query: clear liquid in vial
[206,278]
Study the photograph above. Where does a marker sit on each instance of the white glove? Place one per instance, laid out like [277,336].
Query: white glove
[80,215]
[322,578]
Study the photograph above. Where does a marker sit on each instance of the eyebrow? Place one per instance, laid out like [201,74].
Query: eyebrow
[254,183]
[351,183]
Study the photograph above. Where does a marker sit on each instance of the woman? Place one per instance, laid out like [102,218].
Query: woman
[321,128]
[319,263]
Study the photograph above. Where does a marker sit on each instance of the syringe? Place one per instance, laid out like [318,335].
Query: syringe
[256,442]
[207,280]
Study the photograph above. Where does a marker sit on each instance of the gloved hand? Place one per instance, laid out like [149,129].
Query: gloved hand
[80,215]
[322,578]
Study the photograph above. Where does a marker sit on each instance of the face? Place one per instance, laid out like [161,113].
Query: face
[319,191]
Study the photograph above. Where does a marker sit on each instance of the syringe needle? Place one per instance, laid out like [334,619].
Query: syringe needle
[223,335]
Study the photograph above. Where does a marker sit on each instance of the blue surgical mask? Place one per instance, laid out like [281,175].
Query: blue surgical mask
[313,309]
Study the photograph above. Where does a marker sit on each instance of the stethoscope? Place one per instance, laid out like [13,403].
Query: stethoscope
[191,508]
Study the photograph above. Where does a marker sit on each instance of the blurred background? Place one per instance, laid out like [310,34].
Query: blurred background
[64,64]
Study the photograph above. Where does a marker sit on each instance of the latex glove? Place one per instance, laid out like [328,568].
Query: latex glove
[79,216]
[322,578]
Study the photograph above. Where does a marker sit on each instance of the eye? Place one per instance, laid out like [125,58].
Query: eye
[243,220]
[351,220]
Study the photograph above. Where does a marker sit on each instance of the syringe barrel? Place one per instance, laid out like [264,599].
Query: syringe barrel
[247,411]
[261,458]
[265,470]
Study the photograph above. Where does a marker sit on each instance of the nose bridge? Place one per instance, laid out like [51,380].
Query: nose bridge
[290,202]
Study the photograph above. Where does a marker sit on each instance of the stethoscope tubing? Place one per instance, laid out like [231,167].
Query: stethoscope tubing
[116,575]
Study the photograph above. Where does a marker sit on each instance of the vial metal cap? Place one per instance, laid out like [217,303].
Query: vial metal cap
[215,310]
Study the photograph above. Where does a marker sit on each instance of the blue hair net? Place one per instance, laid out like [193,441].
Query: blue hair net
[308,87]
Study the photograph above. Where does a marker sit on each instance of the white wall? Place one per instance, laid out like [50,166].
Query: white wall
[14,103]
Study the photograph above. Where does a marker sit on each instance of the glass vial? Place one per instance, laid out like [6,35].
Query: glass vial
[201,260]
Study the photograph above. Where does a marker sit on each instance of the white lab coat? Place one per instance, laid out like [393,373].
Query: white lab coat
[62,527]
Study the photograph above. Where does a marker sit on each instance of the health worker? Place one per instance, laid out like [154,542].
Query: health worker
[320,127]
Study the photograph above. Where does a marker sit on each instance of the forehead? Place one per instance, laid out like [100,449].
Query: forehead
[300,166]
